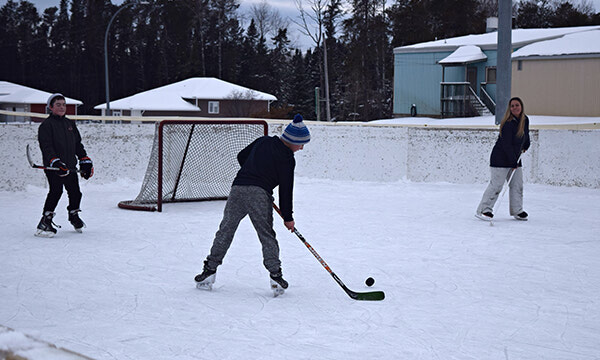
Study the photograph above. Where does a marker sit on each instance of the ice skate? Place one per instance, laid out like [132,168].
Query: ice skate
[74,219]
[278,284]
[521,216]
[45,228]
[205,280]
[485,216]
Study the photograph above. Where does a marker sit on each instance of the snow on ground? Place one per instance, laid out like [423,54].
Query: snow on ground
[456,287]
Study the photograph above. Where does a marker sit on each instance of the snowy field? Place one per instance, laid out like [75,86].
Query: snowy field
[456,287]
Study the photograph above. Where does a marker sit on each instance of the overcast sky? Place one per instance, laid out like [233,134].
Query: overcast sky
[287,8]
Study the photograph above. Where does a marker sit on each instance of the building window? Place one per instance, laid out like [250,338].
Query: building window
[490,75]
[213,107]
[519,65]
[116,113]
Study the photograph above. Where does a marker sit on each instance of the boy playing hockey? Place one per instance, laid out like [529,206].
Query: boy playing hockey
[61,146]
[265,163]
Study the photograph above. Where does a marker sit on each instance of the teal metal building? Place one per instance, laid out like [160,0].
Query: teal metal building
[455,77]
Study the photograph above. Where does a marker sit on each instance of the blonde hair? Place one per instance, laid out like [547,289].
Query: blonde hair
[508,116]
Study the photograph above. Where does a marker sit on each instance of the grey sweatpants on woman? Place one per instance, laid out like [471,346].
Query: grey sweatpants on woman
[499,176]
[258,204]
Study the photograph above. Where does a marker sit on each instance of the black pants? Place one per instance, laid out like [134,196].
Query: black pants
[70,182]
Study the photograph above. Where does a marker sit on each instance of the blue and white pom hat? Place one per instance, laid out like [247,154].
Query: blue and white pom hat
[296,133]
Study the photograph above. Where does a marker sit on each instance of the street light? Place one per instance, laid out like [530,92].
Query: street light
[108,113]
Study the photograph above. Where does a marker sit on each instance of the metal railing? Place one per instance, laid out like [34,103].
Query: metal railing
[454,99]
[458,99]
[487,99]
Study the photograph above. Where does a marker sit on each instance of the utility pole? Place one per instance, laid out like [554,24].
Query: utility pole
[504,66]
[327,109]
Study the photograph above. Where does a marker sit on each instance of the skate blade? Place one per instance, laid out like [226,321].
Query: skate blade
[45,234]
[483,217]
[207,283]
[204,286]
[277,290]
[80,230]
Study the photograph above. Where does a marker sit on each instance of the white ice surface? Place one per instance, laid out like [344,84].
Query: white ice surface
[456,287]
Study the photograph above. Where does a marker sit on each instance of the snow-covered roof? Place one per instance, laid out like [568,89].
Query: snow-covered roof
[464,55]
[19,94]
[172,97]
[489,41]
[580,43]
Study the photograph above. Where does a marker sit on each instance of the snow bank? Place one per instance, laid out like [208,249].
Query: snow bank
[16,345]
[360,152]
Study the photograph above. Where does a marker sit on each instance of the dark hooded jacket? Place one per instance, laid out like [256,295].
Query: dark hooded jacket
[59,138]
[509,145]
[268,163]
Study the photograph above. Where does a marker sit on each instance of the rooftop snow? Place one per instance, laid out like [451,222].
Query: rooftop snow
[19,94]
[520,37]
[171,97]
[464,55]
[586,42]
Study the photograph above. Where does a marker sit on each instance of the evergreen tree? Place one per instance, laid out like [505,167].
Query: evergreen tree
[280,74]
[367,41]
[565,15]
[27,36]
[409,21]
[9,51]
[302,89]
[247,64]
[534,14]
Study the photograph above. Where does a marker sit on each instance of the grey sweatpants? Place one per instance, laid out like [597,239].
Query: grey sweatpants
[258,204]
[515,195]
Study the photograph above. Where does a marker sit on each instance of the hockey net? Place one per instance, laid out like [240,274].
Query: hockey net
[193,160]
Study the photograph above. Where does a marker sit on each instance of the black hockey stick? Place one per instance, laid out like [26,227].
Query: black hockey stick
[35,166]
[371,295]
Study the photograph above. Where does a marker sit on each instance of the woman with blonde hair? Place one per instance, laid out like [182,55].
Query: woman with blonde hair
[513,140]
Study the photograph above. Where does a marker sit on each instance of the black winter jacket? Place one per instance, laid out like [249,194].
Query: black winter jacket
[268,163]
[509,146]
[59,138]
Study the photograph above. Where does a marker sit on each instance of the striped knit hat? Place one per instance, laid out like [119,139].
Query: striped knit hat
[296,133]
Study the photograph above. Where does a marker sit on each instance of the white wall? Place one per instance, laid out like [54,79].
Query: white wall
[337,151]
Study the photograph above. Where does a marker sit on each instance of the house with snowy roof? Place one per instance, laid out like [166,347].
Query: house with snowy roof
[200,96]
[561,76]
[19,98]
[555,71]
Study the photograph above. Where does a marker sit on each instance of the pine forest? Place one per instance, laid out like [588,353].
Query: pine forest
[159,42]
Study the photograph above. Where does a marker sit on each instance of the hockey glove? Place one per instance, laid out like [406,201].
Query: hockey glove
[86,167]
[61,166]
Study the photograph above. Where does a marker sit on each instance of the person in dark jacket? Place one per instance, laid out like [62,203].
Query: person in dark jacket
[513,140]
[266,163]
[61,146]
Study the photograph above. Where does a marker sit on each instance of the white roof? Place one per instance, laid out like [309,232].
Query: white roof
[19,94]
[488,41]
[171,97]
[464,55]
[586,42]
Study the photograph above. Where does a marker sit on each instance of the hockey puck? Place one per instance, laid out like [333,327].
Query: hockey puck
[370,281]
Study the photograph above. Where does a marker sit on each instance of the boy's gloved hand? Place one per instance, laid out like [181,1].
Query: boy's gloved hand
[62,167]
[86,167]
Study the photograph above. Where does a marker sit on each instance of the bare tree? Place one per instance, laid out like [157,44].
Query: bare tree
[241,103]
[312,24]
[268,20]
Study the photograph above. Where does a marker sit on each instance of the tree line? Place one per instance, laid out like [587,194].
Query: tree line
[149,45]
